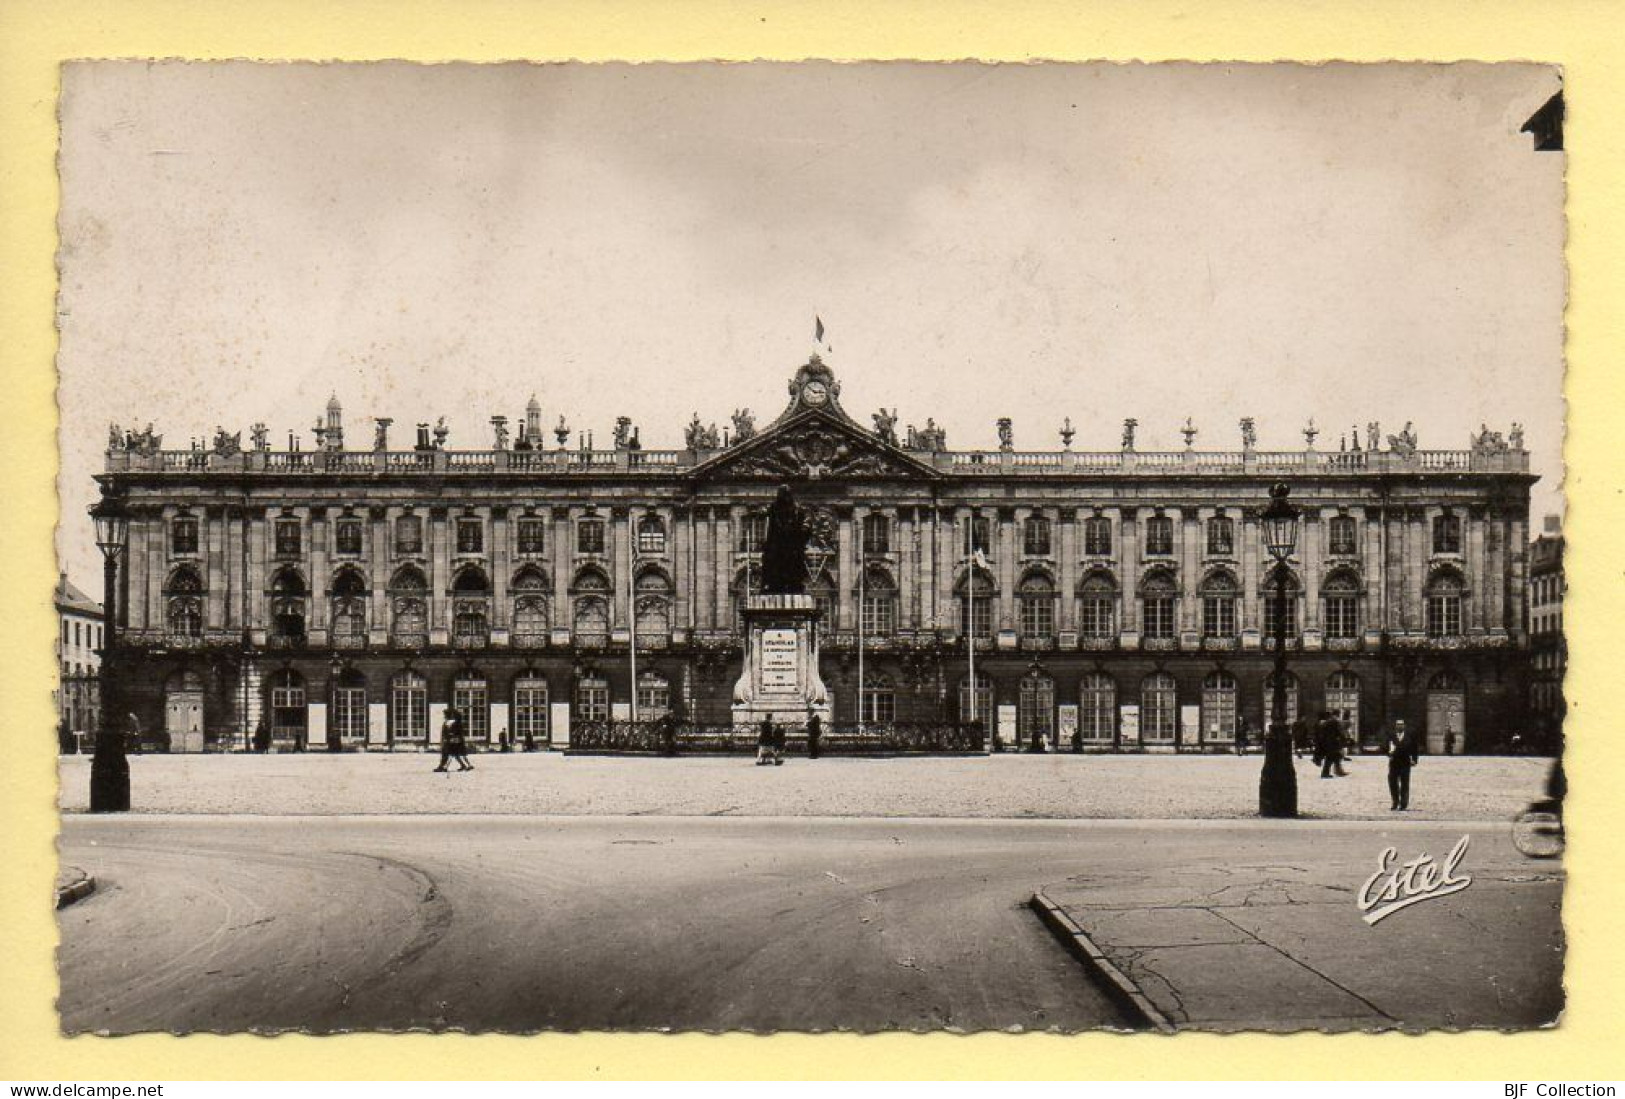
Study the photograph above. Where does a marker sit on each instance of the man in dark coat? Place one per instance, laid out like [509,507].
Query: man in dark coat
[453,744]
[1328,746]
[1403,752]
[765,740]
[815,733]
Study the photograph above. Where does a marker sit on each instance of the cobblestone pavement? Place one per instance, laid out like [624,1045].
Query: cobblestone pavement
[1018,786]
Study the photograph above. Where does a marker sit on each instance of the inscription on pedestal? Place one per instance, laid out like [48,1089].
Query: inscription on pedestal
[780,662]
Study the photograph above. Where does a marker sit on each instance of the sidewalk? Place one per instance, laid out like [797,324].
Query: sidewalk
[1254,946]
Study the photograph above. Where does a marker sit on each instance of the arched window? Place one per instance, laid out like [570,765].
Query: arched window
[472,699]
[1342,593]
[1097,707]
[878,702]
[1037,596]
[470,608]
[653,612]
[1221,536]
[753,532]
[876,533]
[1159,598]
[979,708]
[1035,708]
[879,603]
[1097,536]
[592,698]
[531,613]
[1268,710]
[1219,707]
[651,535]
[285,693]
[349,719]
[1035,536]
[654,696]
[1097,607]
[1159,708]
[183,603]
[591,622]
[530,727]
[976,597]
[1447,533]
[1271,606]
[1342,536]
[1343,700]
[349,598]
[409,609]
[408,708]
[288,606]
[1444,596]
[1219,605]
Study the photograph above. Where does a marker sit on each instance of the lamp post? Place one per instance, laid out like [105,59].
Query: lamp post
[109,767]
[335,669]
[1278,783]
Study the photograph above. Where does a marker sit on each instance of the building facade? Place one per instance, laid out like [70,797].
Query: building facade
[344,596]
[1549,651]
[78,661]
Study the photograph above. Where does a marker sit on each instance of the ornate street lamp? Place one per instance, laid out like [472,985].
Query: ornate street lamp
[109,767]
[1278,784]
[335,669]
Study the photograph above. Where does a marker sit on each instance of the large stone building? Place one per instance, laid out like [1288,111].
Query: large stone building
[343,596]
[78,659]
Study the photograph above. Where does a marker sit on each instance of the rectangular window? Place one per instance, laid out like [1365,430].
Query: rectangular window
[530,711]
[879,615]
[1159,536]
[532,536]
[876,534]
[76,635]
[879,705]
[1343,539]
[350,714]
[1221,537]
[470,536]
[469,696]
[288,537]
[1342,617]
[1219,616]
[1096,621]
[1035,540]
[1038,618]
[1097,537]
[1444,615]
[409,534]
[752,533]
[347,536]
[409,712]
[654,699]
[592,700]
[1447,534]
[978,535]
[1159,617]
[979,610]
[651,536]
[1271,628]
[590,536]
[183,535]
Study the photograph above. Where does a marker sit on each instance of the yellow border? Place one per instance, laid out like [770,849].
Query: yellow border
[35,35]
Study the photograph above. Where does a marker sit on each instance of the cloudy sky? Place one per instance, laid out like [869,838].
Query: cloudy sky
[1094,241]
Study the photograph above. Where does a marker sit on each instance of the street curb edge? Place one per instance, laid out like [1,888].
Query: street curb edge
[75,891]
[1124,992]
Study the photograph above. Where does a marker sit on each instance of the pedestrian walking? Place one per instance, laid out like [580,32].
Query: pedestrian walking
[1403,752]
[1328,746]
[1243,731]
[781,738]
[765,738]
[815,734]
[668,734]
[453,741]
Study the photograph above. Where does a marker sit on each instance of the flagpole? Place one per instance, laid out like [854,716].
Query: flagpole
[632,622]
[970,635]
[860,629]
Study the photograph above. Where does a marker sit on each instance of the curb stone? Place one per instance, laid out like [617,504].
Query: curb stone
[1124,992]
[76,890]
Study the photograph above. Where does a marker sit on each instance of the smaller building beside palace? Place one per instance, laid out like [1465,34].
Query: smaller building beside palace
[78,661]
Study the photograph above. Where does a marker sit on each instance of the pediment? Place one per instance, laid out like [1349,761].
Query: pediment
[814,446]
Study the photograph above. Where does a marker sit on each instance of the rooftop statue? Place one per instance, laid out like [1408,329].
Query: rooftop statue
[744,421]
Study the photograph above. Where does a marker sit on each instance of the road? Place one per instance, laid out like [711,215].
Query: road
[526,923]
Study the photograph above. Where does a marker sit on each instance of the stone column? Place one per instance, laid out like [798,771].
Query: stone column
[1416,557]
[1066,532]
[727,523]
[620,555]
[1518,553]
[1129,525]
[1250,553]
[439,576]
[846,571]
[1373,575]
[1314,552]
[501,568]
[1008,550]
[158,572]
[1188,529]
[906,544]
[705,569]
[380,551]
[1394,567]
[1479,581]
[254,585]
[949,523]
[682,569]
[317,627]
[236,605]
[1496,574]
[560,618]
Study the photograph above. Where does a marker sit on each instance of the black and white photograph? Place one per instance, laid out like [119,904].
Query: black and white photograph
[810,547]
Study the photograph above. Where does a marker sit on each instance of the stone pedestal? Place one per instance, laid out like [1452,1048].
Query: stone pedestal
[781,677]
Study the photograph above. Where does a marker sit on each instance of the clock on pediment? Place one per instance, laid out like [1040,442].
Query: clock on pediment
[814,386]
